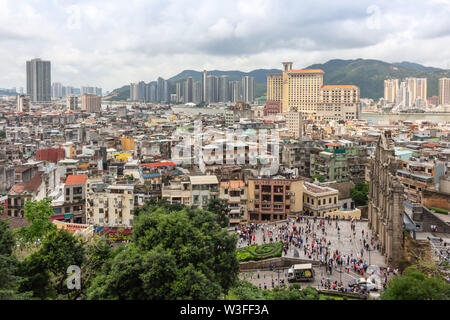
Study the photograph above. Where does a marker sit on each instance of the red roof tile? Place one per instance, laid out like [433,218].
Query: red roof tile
[157,164]
[76,179]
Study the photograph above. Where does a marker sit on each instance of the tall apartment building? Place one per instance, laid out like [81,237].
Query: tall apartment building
[444,91]
[204,77]
[339,102]
[247,85]
[23,103]
[134,92]
[57,90]
[188,90]
[178,91]
[162,90]
[91,103]
[294,123]
[39,80]
[212,89]
[223,88]
[391,87]
[197,92]
[235,94]
[72,102]
[418,89]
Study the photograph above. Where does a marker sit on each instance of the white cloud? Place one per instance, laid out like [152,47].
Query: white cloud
[112,43]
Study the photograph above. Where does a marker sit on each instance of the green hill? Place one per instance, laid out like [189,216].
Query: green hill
[369,75]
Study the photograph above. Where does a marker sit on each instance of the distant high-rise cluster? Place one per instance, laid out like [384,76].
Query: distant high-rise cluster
[210,89]
[38,80]
[411,92]
[154,91]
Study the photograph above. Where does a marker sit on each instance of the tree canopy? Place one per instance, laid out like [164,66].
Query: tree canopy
[37,214]
[359,193]
[174,254]
[417,285]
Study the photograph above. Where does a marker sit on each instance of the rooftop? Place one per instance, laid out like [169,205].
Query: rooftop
[307,71]
[76,179]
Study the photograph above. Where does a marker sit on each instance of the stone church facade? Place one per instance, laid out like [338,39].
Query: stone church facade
[386,200]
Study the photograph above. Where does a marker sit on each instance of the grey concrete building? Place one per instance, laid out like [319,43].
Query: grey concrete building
[39,80]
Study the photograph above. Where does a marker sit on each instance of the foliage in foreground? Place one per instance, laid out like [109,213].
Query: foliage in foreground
[180,254]
[417,285]
[245,290]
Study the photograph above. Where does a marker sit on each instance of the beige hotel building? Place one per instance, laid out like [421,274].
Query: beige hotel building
[303,91]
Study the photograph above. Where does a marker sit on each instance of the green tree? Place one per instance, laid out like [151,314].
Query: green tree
[416,285]
[318,177]
[7,241]
[244,290]
[359,193]
[221,209]
[37,214]
[180,254]
[45,271]
[9,280]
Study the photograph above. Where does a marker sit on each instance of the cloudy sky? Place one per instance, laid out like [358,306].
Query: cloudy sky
[111,43]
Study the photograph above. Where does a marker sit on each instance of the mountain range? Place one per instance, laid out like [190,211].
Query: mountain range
[367,74]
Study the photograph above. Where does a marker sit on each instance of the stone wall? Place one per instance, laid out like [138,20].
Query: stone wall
[436,199]
[280,262]
[429,219]
[364,211]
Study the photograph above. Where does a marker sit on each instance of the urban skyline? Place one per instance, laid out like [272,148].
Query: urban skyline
[132,167]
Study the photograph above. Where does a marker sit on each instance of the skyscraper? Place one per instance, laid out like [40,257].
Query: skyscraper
[444,91]
[212,89]
[204,77]
[39,80]
[391,87]
[247,87]
[188,87]
[178,91]
[141,91]
[162,90]
[153,91]
[57,90]
[134,92]
[197,92]
[223,89]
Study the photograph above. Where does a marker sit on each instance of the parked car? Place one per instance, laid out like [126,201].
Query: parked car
[355,282]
